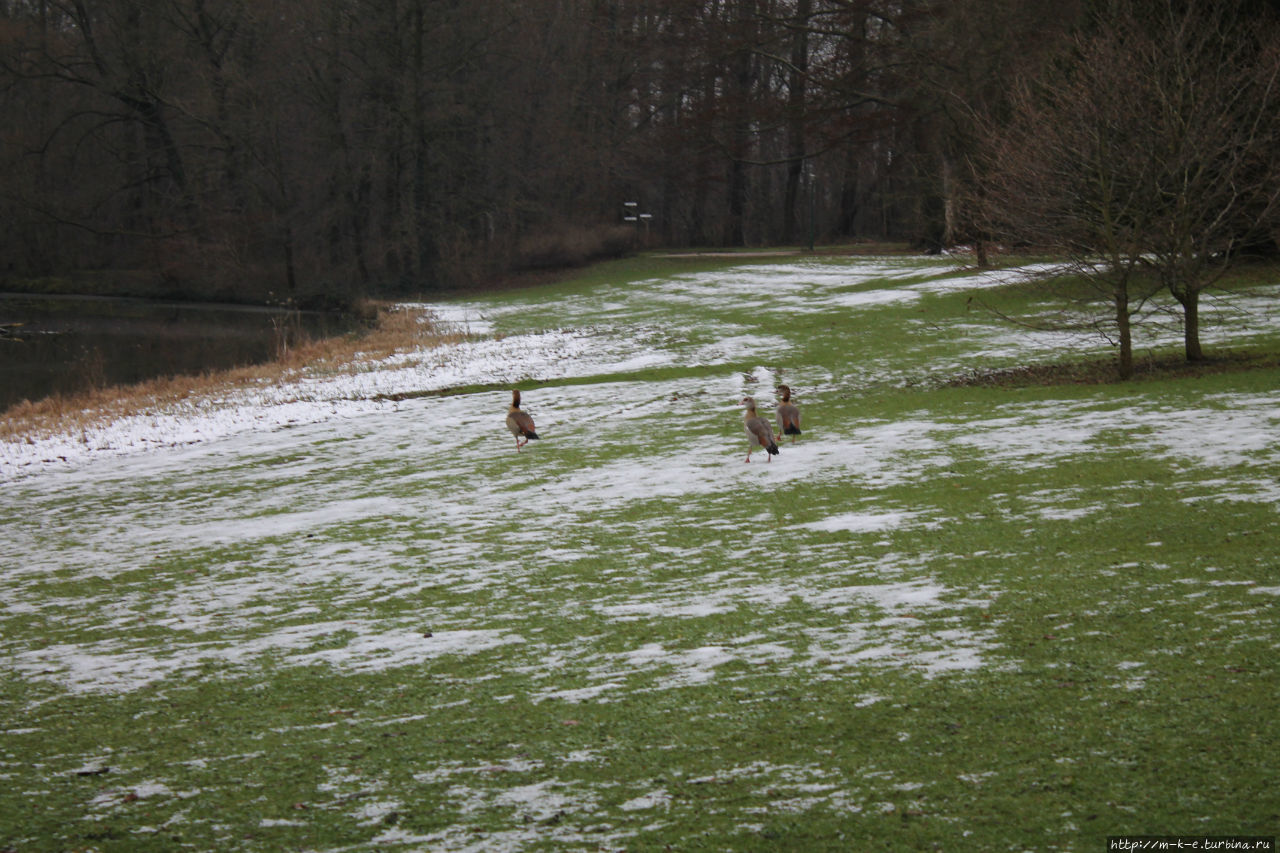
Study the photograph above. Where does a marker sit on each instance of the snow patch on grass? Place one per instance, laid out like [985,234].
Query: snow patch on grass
[105,668]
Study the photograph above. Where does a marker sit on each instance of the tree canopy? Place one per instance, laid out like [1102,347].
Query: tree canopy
[312,151]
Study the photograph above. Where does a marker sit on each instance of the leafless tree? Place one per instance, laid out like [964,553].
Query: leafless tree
[1146,155]
[1211,79]
[299,146]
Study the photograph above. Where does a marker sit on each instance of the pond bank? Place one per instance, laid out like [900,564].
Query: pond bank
[63,344]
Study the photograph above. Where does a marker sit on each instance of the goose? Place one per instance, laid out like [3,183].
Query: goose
[759,433]
[788,414]
[520,424]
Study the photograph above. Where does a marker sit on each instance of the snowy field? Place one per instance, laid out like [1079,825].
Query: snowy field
[611,333]
[616,331]
[358,529]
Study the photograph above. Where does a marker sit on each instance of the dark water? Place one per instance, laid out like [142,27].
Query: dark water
[54,345]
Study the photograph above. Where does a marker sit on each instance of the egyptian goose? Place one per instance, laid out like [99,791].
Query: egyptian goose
[788,414]
[759,433]
[520,424]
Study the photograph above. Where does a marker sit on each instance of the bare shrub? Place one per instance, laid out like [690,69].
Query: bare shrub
[573,245]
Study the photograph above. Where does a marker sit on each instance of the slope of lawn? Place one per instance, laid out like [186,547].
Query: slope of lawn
[947,617]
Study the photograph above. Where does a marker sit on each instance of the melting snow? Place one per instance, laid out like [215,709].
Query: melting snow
[302,445]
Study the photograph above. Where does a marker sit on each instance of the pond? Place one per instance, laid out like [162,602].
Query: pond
[64,344]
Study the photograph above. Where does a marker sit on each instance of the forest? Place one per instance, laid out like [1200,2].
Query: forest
[312,152]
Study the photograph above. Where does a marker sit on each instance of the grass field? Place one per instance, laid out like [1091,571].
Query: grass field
[348,615]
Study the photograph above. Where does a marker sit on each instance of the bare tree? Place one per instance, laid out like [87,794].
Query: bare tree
[967,53]
[241,148]
[1212,84]
[1146,156]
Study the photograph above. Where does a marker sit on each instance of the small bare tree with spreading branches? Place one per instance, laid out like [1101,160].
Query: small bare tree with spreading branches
[1147,156]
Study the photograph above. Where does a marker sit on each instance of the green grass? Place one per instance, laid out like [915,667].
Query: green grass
[949,617]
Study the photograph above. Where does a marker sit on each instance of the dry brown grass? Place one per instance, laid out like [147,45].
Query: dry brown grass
[395,329]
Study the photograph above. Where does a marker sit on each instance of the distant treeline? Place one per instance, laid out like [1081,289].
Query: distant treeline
[317,150]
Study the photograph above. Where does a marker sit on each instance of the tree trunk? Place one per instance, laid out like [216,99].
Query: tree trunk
[950,217]
[736,234]
[290,268]
[1125,365]
[790,198]
[980,254]
[423,240]
[742,77]
[796,143]
[1191,325]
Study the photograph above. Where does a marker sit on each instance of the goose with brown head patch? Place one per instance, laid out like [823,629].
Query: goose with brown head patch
[759,433]
[788,413]
[519,422]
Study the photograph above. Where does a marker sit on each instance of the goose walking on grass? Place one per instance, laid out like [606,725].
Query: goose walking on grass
[788,414]
[519,422]
[759,433]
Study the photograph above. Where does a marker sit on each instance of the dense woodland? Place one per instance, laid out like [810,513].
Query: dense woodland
[318,150]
